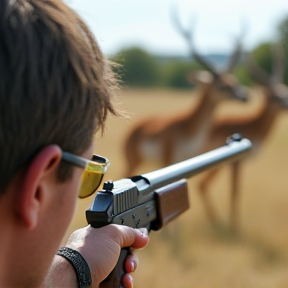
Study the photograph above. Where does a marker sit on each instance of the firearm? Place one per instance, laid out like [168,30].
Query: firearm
[153,199]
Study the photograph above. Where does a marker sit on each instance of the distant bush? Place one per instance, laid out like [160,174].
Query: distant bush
[283,38]
[263,56]
[174,74]
[137,67]
[243,75]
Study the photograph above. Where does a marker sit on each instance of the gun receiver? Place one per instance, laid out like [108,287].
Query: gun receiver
[153,199]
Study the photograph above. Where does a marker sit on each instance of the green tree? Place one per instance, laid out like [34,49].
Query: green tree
[283,39]
[261,56]
[175,72]
[263,53]
[243,75]
[137,67]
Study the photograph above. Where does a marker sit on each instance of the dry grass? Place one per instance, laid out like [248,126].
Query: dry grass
[189,252]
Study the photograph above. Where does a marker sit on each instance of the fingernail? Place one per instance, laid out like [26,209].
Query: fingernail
[133,266]
[132,280]
[144,232]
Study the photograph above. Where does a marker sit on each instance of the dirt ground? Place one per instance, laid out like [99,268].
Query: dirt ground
[189,252]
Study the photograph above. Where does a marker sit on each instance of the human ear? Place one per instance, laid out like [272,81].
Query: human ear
[36,181]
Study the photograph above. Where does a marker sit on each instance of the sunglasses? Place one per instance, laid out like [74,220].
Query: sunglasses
[93,173]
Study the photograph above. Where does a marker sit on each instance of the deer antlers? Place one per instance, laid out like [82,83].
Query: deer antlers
[188,37]
[261,75]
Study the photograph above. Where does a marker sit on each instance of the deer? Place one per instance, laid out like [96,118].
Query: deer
[255,127]
[179,136]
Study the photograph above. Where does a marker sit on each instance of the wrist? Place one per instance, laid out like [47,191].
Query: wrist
[61,274]
[79,265]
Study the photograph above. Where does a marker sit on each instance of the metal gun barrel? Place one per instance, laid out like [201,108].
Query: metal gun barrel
[232,151]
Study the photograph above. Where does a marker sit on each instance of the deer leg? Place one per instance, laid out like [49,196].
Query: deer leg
[168,150]
[133,159]
[235,194]
[203,189]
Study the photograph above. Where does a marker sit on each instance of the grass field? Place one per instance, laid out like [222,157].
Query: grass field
[189,252]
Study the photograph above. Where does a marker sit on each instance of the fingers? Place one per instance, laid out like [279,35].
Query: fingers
[126,236]
[129,237]
[101,249]
[141,238]
[127,281]
[136,238]
[131,263]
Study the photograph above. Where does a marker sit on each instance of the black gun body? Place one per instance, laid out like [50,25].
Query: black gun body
[153,199]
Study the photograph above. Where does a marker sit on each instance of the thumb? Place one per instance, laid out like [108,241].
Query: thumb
[138,239]
[129,237]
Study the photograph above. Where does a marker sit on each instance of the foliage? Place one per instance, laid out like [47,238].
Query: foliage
[137,67]
[262,56]
[242,75]
[283,39]
[263,53]
[174,74]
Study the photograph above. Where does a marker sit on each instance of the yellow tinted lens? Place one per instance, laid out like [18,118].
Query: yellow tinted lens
[91,180]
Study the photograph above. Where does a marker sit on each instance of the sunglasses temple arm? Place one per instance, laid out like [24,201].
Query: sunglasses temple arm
[74,159]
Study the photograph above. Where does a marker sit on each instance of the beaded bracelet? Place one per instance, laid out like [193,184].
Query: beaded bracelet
[79,264]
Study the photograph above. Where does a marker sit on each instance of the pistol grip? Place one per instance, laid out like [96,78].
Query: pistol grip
[113,280]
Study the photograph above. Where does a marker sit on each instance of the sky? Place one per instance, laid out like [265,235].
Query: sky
[215,24]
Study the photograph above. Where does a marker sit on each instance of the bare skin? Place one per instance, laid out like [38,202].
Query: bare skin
[42,209]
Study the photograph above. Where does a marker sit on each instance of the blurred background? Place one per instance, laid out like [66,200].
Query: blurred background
[156,61]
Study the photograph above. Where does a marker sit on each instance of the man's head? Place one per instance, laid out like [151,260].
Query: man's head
[55,87]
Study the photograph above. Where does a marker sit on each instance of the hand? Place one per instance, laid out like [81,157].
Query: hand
[101,249]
